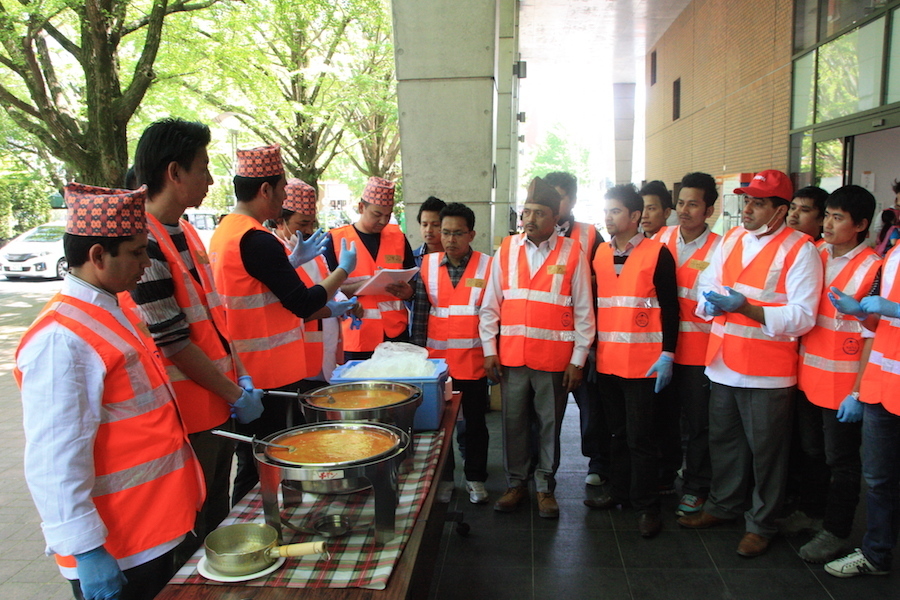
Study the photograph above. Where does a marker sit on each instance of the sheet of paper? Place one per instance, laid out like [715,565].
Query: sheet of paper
[383,278]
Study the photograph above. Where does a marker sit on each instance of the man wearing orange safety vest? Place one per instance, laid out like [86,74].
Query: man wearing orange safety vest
[833,356]
[177,299]
[538,303]
[449,295]
[107,458]
[761,290]
[637,333]
[692,244]
[265,299]
[384,317]
[594,432]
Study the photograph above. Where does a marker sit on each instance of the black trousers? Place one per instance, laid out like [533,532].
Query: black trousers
[475,404]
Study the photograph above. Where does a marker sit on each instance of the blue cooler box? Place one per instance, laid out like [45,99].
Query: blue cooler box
[431,411]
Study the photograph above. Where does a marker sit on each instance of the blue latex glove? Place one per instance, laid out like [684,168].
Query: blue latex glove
[846,304]
[248,407]
[246,382]
[850,411]
[347,261]
[730,303]
[663,369]
[880,306]
[712,310]
[339,308]
[99,575]
[355,322]
[306,250]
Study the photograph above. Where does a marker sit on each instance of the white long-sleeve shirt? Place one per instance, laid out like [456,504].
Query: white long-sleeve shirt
[804,288]
[62,388]
[582,297]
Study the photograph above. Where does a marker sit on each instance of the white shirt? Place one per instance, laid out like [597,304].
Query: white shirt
[687,249]
[798,316]
[582,297]
[62,388]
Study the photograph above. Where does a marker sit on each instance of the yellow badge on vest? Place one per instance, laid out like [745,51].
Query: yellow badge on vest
[392,258]
[700,265]
[556,269]
[201,257]
[472,282]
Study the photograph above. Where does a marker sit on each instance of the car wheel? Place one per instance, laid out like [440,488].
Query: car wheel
[62,267]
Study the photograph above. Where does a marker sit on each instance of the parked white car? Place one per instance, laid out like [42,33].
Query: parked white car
[36,253]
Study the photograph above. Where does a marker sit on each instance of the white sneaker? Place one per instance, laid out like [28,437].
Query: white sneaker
[445,492]
[477,493]
[594,479]
[852,565]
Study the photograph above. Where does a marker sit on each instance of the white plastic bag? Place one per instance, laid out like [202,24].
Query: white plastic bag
[393,359]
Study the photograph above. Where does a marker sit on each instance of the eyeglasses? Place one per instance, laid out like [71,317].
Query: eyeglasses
[453,234]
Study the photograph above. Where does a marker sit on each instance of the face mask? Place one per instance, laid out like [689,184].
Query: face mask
[767,228]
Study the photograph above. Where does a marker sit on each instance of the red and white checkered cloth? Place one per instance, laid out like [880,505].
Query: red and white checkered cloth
[354,560]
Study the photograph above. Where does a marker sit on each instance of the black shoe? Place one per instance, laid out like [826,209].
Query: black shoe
[649,524]
[603,502]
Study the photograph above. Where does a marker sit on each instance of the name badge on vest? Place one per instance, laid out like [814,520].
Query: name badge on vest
[556,269]
[700,265]
[392,258]
[472,282]
[201,257]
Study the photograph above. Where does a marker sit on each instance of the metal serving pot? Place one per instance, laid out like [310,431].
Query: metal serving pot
[246,548]
[324,404]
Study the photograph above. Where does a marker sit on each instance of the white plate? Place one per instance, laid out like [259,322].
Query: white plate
[214,575]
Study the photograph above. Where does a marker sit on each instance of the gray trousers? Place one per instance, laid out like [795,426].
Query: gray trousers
[546,404]
[749,441]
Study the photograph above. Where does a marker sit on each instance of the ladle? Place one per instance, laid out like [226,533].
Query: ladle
[249,439]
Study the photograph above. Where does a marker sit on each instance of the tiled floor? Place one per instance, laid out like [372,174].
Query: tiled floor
[600,555]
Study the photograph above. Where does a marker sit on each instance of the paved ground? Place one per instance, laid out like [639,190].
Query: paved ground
[25,573]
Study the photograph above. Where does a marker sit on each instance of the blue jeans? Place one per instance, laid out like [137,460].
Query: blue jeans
[881,468]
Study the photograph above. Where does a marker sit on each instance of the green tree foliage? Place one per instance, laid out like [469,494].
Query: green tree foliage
[24,203]
[73,72]
[558,153]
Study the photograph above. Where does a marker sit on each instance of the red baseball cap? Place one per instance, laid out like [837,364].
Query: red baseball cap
[769,184]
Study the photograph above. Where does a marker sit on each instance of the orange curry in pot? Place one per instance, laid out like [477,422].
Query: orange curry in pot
[358,399]
[332,445]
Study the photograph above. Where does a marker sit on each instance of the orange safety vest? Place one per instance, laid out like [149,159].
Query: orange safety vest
[585,234]
[453,320]
[882,374]
[629,320]
[313,272]
[537,327]
[200,408]
[384,316]
[693,332]
[830,352]
[267,336]
[763,282]
[148,484]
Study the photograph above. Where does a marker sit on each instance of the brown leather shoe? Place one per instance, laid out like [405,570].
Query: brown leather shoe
[603,502]
[547,506]
[752,544]
[649,524]
[701,520]
[510,501]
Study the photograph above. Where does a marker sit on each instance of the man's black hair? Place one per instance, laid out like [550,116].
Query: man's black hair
[246,188]
[458,209]
[702,181]
[431,204]
[817,195]
[856,201]
[76,247]
[164,142]
[628,195]
[658,188]
[565,181]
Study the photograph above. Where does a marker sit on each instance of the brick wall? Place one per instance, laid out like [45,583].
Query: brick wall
[734,61]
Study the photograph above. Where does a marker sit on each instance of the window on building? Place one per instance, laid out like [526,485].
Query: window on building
[676,99]
[806,18]
[653,67]
[893,72]
[848,73]
[803,91]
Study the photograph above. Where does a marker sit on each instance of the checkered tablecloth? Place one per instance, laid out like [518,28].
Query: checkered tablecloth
[354,560]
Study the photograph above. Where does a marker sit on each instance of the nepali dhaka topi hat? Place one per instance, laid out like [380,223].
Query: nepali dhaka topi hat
[379,192]
[301,197]
[769,184]
[264,161]
[105,212]
[540,192]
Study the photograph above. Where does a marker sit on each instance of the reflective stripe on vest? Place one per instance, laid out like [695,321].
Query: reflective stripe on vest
[629,320]
[148,484]
[585,234]
[313,272]
[384,316]
[267,336]
[830,352]
[763,282]
[536,323]
[453,318]
[693,337]
[882,375]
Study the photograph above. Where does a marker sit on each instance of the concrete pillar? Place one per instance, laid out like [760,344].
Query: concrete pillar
[507,119]
[623,111]
[446,54]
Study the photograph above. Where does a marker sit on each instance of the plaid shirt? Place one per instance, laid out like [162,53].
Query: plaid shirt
[422,304]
